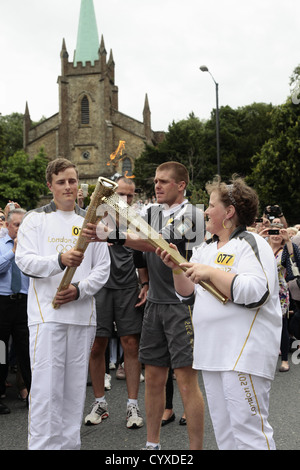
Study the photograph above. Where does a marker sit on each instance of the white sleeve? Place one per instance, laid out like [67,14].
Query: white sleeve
[99,272]
[256,275]
[27,258]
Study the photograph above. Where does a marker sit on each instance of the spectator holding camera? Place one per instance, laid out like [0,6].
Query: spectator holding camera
[275,212]
[291,261]
[4,214]
[261,224]
[277,239]
[287,255]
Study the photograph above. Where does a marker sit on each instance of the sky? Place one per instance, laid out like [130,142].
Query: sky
[250,47]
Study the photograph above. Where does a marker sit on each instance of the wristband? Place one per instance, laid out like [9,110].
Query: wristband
[75,284]
[62,266]
[146,283]
[114,238]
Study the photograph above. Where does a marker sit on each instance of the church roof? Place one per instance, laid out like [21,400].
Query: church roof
[87,37]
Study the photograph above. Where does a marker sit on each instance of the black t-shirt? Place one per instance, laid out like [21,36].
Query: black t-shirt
[184,227]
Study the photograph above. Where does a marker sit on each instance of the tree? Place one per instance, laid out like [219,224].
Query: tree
[11,132]
[23,179]
[276,169]
[184,143]
[193,143]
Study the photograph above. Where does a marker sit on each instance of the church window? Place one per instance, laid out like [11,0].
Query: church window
[85,110]
[127,167]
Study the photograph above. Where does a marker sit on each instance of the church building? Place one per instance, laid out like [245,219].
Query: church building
[89,127]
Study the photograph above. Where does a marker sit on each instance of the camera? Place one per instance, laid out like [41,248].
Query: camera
[273,211]
[273,232]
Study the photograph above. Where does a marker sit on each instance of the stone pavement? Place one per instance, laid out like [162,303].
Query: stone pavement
[112,433]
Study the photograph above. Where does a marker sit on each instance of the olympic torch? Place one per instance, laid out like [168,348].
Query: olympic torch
[129,215]
[104,188]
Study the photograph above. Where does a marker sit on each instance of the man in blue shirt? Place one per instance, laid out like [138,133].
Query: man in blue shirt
[13,304]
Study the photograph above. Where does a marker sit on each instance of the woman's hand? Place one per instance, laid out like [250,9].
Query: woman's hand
[166,257]
[197,272]
[285,236]
[264,233]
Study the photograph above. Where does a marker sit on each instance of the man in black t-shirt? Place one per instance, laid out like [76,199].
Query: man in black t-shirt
[118,302]
[167,333]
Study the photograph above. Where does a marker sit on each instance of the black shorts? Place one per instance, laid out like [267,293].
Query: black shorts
[118,305]
[167,336]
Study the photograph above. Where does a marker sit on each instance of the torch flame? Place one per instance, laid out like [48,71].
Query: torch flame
[128,177]
[116,157]
[117,152]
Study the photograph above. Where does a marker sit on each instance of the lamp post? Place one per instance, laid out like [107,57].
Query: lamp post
[203,68]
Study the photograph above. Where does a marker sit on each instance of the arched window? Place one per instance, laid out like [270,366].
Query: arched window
[127,167]
[85,110]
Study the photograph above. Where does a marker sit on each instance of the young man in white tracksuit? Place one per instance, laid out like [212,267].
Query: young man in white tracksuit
[60,339]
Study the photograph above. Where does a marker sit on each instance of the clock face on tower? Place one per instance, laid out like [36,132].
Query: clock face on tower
[86,155]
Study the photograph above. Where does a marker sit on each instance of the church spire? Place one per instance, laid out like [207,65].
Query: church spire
[87,37]
[147,118]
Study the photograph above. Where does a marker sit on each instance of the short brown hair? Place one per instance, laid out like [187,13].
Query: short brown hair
[57,165]
[238,194]
[179,171]
[126,180]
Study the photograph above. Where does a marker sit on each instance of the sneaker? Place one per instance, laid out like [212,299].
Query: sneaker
[157,447]
[142,378]
[112,365]
[97,414]
[120,374]
[107,381]
[134,418]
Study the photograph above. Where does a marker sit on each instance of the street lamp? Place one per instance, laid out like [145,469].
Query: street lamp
[203,68]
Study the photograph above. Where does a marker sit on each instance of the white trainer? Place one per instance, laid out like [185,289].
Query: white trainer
[107,381]
[134,418]
[97,414]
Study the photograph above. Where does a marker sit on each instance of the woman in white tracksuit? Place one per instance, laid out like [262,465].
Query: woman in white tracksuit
[237,343]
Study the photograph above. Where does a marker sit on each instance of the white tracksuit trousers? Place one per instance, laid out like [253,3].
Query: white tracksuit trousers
[239,407]
[59,361]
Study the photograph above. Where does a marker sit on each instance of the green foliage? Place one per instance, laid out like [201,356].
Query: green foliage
[193,143]
[11,134]
[276,169]
[242,133]
[22,179]
[197,196]
[185,143]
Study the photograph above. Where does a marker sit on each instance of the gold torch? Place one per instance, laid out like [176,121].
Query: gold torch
[104,188]
[128,214]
